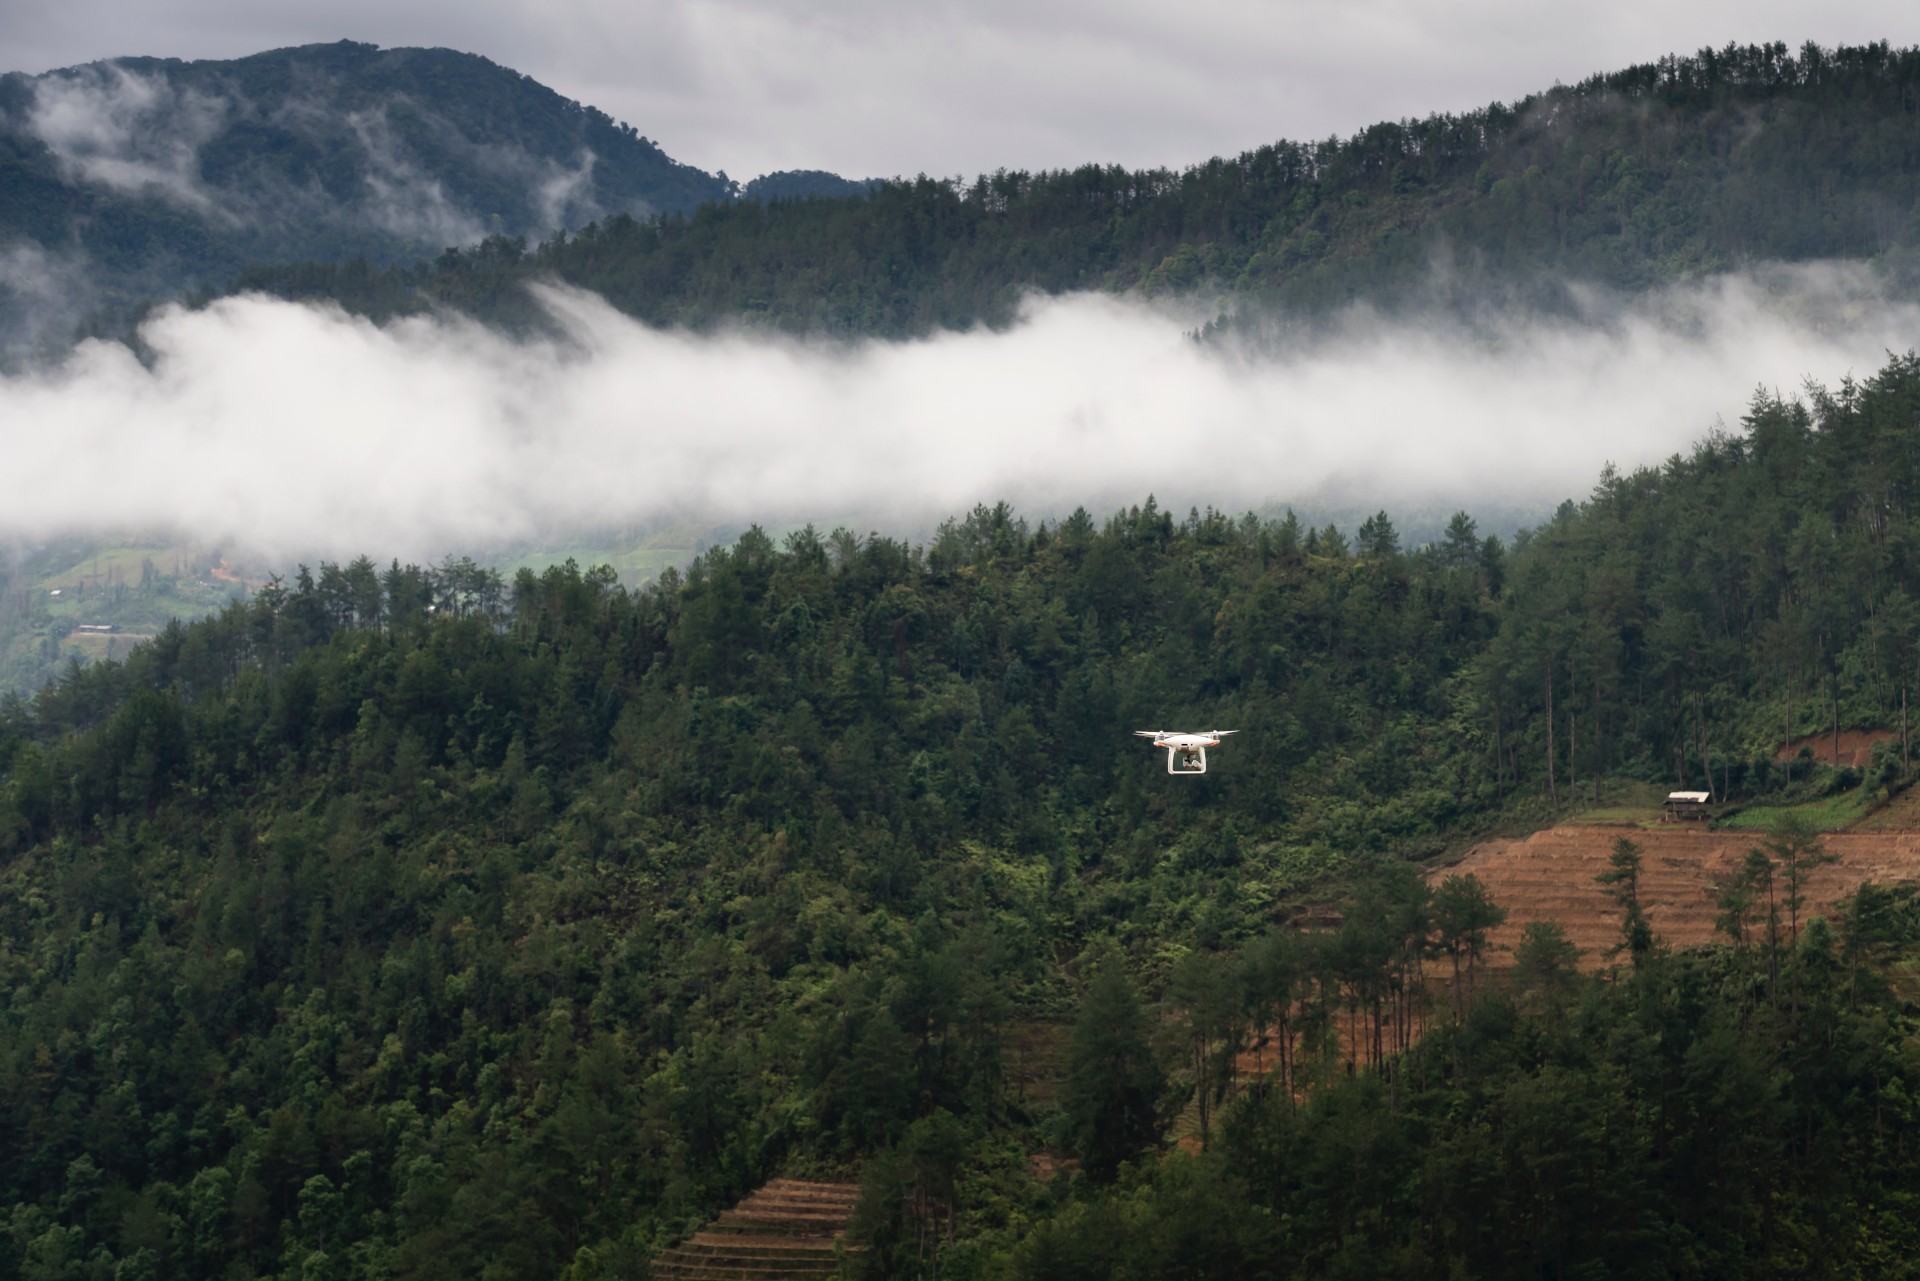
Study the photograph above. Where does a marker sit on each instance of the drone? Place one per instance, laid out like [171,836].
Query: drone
[1186,753]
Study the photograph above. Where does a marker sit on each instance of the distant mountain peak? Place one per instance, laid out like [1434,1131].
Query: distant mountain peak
[146,177]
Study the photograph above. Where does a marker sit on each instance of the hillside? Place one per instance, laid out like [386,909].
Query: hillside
[72,599]
[142,178]
[460,926]
[58,598]
[1660,172]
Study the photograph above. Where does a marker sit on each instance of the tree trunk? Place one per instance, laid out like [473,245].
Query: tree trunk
[1206,1085]
[1599,761]
[1553,793]
[1286,1051]
[1573,744]
[1499,765]
[1706,756]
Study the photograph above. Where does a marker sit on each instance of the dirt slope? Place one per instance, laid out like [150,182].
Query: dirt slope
[1855,746]
[1550,875]
[783,1232]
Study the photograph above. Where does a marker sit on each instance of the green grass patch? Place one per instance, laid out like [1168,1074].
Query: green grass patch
[638,556]
[1827,814]
[122,564]
[1901,813]
[1623,802]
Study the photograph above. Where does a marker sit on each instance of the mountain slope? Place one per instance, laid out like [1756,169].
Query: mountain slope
[1659,172]
[142,177]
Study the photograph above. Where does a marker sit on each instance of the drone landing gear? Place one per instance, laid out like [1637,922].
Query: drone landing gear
[1189,762]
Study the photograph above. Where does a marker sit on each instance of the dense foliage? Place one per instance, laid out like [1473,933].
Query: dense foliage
[417,923]
[506,921]
[1671,1122]
[1661,171]
[1691,620]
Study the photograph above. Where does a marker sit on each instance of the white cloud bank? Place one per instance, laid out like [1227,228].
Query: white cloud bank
[297,430]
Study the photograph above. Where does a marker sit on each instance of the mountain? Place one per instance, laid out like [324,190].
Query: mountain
[1665,171]
[141,178]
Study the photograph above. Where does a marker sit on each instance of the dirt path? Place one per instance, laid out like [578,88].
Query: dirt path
[1550,875]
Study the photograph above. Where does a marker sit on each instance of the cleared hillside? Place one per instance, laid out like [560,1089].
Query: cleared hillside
[1551,876]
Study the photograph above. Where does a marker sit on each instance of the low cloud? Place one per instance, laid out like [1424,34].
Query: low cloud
[43,295]
[131,132]
[401,199]
[297,430]
[565,196]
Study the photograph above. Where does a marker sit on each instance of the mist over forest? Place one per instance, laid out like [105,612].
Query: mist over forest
[1463,312]
[387,891]
[289,430]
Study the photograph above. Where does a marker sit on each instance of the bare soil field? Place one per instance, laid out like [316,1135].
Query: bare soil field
[1856,746]
[1550,875]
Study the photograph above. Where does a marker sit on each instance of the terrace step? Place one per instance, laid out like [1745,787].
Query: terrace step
[783,1231]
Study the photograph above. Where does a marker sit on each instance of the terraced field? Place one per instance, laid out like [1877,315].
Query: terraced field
[784,1232]
[1550,875]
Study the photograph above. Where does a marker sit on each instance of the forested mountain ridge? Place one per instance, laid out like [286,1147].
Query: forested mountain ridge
[145,177]
[1663,171]
[419,923]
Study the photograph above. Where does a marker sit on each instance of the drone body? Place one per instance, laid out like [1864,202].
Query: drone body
[1186,753]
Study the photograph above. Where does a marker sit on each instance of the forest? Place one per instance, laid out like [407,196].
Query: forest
[418,922]
[1661,172]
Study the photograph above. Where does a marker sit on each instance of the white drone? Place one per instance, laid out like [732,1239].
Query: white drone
[1186,753]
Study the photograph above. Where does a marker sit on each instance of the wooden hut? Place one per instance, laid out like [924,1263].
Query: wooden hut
[1686,805]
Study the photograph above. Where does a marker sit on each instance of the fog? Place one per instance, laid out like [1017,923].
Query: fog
[130,132]
[296,430]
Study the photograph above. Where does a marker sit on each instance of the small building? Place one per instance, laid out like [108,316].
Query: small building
[98,629]
[1685,805]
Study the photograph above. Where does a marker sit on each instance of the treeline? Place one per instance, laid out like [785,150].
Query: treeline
[414,921]
[1690,621]
[1664,170]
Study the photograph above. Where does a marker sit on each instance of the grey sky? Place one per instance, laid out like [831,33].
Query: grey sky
[870,87]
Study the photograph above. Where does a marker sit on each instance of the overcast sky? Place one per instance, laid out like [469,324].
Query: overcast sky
[877,87]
